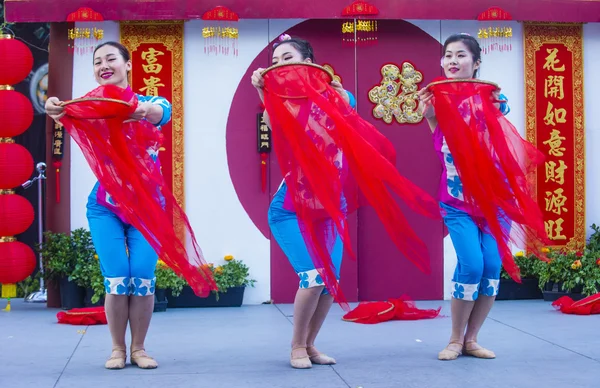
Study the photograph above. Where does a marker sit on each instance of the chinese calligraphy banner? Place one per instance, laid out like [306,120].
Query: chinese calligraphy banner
[157,70]
[554,95]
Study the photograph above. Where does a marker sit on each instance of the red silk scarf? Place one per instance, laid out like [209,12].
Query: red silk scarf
[330,157]
[117,153]
[84,316]
[495,164]
[402,309]
[586,306]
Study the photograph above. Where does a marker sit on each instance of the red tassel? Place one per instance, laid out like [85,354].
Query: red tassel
[263,170]
[57,164]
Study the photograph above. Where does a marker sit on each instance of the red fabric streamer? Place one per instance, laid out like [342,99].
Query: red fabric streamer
[329,155]
[263,171]
[586,306]
[496,167]
[117,154]
[84,316]
[401,309]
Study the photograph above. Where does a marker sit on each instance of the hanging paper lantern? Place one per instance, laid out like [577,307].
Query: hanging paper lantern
[84,39]
[360,29]
[219,32]
[16,113]
[16,62]
[17,262]
[16,165]
[16,214]
[495,35]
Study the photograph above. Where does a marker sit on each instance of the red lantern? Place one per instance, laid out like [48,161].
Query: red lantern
[17,60]
[17,262]
[16,214]
[16,113]
[16,165]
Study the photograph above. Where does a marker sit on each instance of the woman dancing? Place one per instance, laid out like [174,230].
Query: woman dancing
[313,301]
[127,260]
[477,274]
[328,154]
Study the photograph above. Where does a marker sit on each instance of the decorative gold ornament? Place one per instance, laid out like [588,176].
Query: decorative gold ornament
[396,97]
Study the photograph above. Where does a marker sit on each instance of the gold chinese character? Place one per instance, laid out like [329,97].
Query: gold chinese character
[555,114]
[264,136]
[59,134]
[264,128]
[57,151]
[555,201]
[555,174]
[57,143]
[555,143]
[85,32]
[152,85]
[552,60]
[554,229]
[264,144]
[554,87]
[71,34]
[150,58]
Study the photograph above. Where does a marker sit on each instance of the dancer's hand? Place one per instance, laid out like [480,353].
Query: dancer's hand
[496,97]
[426,104]
[54,108]
[146,110]
[257,79]
[342,92]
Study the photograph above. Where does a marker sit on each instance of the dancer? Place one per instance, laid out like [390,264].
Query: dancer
[129,226]
[478,226]
[313,301]
[326,153]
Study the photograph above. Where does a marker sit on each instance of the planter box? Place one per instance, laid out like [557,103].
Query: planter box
[511,290]
[160,300]
[87,302]
[71,295]
[553,291]
[232,298]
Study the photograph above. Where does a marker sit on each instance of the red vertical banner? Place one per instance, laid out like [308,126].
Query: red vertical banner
[554,83]
[157,70]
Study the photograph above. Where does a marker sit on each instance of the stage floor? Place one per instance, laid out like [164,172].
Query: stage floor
[535,345]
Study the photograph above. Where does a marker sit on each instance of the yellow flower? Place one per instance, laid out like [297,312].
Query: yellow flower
[545,250]
[576,264]
[162,264]
[219,270]
[96,256]
[520,254]
[228,257]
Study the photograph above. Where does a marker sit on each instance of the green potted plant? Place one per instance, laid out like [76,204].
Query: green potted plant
[528,288]
[87,273]
[232,278]
[572,273]
[59,263]
[166,279]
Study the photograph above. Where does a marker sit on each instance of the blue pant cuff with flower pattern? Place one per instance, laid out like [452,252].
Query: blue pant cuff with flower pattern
[130,286]
[470,292]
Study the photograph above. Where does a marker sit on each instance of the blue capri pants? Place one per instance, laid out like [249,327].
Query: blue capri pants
[127,260]
[286,230]
[479,264]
